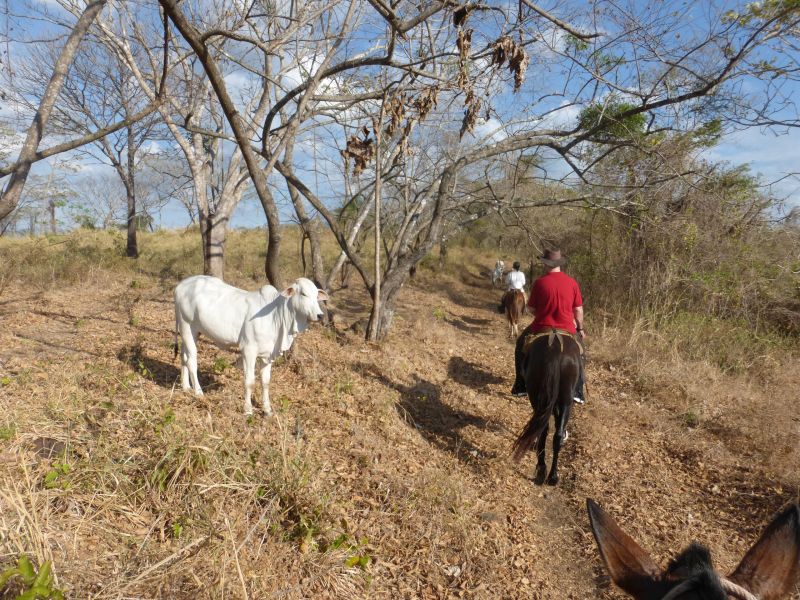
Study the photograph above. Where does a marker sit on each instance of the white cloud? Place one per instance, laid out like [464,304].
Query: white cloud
[771,154]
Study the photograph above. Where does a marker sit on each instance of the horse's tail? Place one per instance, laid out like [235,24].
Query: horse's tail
[546,400]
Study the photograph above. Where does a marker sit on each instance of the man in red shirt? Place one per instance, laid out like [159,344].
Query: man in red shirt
[556,303]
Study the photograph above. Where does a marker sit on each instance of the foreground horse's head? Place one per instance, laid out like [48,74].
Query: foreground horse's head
[769,570]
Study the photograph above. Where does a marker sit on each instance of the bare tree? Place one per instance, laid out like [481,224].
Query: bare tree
[13,189]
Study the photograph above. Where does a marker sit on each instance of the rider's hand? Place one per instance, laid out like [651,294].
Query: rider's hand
[582,333]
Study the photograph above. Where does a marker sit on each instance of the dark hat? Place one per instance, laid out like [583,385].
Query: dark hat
[553,258]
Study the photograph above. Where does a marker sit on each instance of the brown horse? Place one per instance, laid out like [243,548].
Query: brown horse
[514,305]
[552,366]
[768,571]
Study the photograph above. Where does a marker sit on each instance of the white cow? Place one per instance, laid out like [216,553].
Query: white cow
[262,324]
[497,274]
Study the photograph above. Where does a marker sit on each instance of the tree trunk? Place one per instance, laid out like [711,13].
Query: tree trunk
[10,197]
[51,208]
[240,132]
[132,249]
[443,252]
[310,229]
[377,300]
[381,320]
[213,230]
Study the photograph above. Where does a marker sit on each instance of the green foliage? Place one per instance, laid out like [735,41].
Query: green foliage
[575,44]
[167,418]
[178,464]
[690,419]
[356,550]
[754,13]
[24,582]
[708,134]
[343,385]
[439,314]
[7,432]
[5,381]
[607,116]
[221,364]
[176,529]
[56,477]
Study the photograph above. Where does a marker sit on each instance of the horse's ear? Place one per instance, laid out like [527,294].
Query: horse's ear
[772,566]
[630,567]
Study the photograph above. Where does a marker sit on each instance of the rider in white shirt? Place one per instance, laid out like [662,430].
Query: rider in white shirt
[515,280]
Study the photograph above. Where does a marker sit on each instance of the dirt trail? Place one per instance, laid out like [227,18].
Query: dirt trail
[403,447]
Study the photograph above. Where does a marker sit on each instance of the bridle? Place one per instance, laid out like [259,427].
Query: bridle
[734,591]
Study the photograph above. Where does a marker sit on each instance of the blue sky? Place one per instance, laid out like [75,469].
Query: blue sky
[769,153]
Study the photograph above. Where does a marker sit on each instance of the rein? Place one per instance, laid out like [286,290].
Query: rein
[551,334]
[733,590]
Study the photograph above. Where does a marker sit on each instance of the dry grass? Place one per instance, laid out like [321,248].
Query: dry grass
[385,473]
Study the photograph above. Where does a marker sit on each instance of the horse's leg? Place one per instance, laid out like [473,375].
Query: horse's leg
[562,417]
[541,467]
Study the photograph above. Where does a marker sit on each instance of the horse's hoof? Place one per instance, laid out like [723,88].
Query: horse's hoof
[539,478]
[552,480]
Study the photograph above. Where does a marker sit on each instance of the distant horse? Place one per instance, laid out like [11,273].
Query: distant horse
[768,571]
[514,306]
[497,273]
[552,364]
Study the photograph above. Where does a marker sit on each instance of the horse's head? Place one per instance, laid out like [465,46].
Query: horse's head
[768,571]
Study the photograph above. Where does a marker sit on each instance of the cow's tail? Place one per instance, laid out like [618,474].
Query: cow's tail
[546,398]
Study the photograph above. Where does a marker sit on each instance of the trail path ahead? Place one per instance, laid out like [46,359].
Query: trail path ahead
[396,456]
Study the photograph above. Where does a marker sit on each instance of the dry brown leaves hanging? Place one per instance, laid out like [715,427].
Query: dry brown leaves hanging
[426,101]
[361,151]
[472,108]
[506,50]
[461,13]
[464,43]
[396,109]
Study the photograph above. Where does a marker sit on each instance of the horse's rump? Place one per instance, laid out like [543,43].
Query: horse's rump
[514,303]
[552,364]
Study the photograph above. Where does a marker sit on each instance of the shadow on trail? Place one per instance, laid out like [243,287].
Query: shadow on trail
[462,325]
[469,374]
[163,373]
[421,406]
[56,346]
[473,301]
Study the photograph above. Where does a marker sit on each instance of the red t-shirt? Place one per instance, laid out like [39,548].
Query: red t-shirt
[553,298]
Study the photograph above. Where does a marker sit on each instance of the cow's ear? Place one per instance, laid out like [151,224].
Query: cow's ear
[630,567]
[322,296]
[772,566]
[288,292]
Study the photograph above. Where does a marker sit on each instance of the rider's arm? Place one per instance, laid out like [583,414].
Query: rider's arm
[578,314]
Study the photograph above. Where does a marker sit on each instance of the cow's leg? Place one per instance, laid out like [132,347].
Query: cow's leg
[249,365]
[185,383]
[189,359]
[266,373]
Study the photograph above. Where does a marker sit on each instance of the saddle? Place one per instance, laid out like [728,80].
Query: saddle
[551,336]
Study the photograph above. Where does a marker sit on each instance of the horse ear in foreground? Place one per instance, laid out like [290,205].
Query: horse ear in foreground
[769,570]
